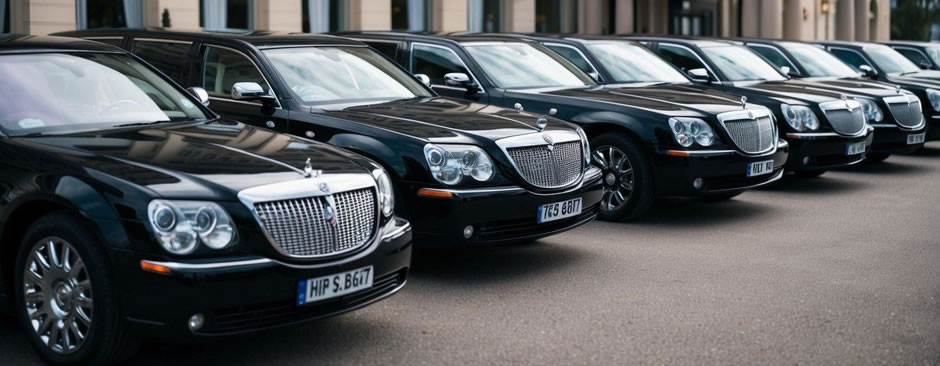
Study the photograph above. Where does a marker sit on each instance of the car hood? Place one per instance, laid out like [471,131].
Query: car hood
[442,119]
[921,79]
[789,91]
[205,160]
[862,87]
[672,100]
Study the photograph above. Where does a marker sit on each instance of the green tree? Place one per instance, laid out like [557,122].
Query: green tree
[912,19]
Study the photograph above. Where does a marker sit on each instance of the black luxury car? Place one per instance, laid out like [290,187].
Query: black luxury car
[923,54]
[650,140]
[129,210]
[880,62]
[825,128]
[464,173]
[617,61]
[896,115]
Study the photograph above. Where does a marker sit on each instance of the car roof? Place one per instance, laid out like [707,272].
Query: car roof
[697,41]
[24,42]
[260,39]
[911,43]
[570,38]
[778,42]
[453,37]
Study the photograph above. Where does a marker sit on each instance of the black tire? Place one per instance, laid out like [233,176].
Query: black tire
[724,196]
[641,198]
[809,173]
[876,158]
[106,340]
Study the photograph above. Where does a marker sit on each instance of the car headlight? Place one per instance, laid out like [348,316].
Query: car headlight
[386,194]
[180,226]
[585,147]
[934,97]
[801,118]
[689,131]
[450,163]
[871,109]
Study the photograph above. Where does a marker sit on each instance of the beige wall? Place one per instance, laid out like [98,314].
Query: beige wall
[370,15]
[43,16]
[278,15]
[449,16]
[520,16]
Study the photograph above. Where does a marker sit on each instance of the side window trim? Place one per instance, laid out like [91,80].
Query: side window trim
[774,49]
[411,58]
[206,46]
[707,67]
[860,55]
[583,56]
[108,38]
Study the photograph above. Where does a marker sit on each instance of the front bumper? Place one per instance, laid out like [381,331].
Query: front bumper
[251,294]
[824,150]
[720,170]
[497,215]
[891,139]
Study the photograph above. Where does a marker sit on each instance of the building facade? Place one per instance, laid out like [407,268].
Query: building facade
[789,19]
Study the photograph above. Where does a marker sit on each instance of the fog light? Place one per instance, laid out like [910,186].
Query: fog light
[468,231]
[196,321]
[698,183]
[806,160]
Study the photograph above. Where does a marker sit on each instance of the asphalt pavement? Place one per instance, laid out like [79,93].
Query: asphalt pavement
[843,269]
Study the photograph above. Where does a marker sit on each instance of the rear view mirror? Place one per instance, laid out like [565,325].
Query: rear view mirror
[424,79]
[248,91]
[699,75]
[200,95]
[460,80]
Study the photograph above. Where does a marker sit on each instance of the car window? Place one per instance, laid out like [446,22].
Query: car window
[435,62]
[572,55]
[632,63]
[934,53]
[389,49]
[739,63]
[773,55]
[525,65]
[222,68]
[915,56]
[165,56]
[850,57]
[680,57]
[889,60]
[819,63]
[63,92]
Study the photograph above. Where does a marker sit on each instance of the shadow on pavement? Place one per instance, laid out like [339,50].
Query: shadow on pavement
[887,167]
[492,263]
[818,185]
[927,152]
[693,212]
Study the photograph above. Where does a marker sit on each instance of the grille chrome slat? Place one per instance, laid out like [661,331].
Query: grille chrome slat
[752,131]
[906,110]
[545,168]
[299,227]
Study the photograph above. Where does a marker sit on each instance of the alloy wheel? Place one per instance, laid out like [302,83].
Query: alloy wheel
[618,177]
[57,294]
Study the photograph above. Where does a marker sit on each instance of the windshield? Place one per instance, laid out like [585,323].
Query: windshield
[68,92]
[630,63]
[322,75]
[889,60]
[739,63]
[819,63]
[522,65]
[934,54]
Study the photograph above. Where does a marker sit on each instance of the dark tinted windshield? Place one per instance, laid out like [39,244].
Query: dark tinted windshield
[819,63]
[631,63]
[889,60]
[523,65]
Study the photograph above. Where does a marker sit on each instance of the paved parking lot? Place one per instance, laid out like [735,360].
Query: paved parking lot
[844,269]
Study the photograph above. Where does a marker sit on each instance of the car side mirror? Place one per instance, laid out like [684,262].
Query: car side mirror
[699,75]
[460,80]
[248,91]
[786,70]
[594,75]
[424,79]
[201,94]
[867,71]
[924,65]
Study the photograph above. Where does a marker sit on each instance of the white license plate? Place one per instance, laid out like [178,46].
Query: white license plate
[559,210]
[855,149]
[916,139]
[322,288]
[760,168]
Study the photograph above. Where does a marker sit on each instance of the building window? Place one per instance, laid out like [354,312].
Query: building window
[5,16]
[91,14]
[410,15]
[321,16]
[485,15]
[556,16]
[226,15]
[692,18]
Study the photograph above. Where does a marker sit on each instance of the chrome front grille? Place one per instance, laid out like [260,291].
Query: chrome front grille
[546,167]
[906,110]
[845,116]
[320,225]
[753,131]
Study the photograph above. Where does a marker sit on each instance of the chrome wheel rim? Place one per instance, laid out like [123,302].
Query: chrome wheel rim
[618,177]
[57,294]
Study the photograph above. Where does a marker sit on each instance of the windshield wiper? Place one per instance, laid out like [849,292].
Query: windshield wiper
[908,73]
[139,124]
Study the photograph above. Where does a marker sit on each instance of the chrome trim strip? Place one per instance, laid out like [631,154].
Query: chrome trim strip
[396,231]
[217,265]
[697,153]
[589,176]
[751,114]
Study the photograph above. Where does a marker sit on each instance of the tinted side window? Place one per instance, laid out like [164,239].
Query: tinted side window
[775,57]
[435,62]
[167,57]
[573,56]
[850,57]
[386,48]
[915,56]
[222,68]
[682,58]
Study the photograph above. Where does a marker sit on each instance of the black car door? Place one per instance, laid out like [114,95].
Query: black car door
[218,68]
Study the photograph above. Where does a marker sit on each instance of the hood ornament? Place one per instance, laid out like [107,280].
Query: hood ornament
[897,89]
[518,107]
[551,142]
[309,171]
[743,102]
[845,100]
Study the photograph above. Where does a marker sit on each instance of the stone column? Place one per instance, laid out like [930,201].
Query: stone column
[793,19]
[449,15]
[182,14]
[519,16]
[845,19]
[370,15]
[750,18]
[42,16]
[278,16]
[861,20]
[592,15]
[624,17]
[771,19]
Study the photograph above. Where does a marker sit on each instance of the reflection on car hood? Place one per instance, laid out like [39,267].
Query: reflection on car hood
[205,160]
[439,119]
[921,79]
[665,99]
[863,87]
[788,90]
